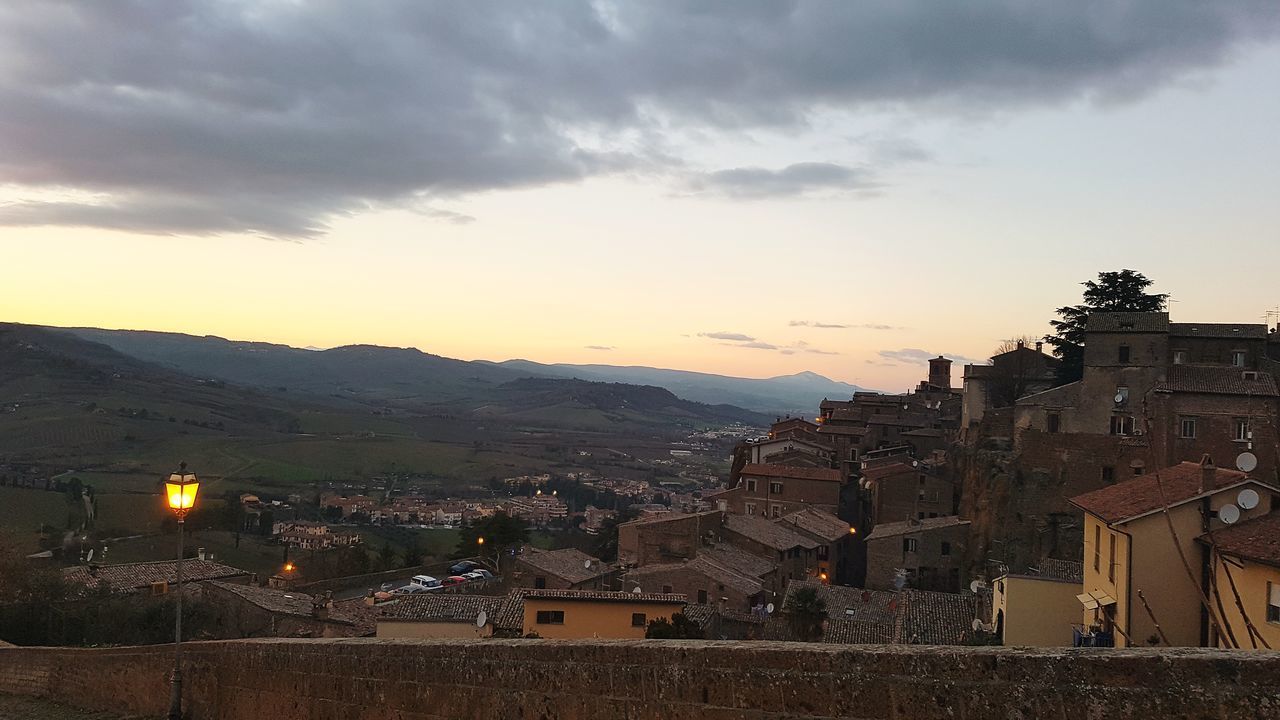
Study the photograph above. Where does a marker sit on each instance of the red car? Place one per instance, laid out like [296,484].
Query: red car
[454,580]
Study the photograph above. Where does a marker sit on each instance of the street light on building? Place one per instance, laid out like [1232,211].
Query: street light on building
[180,490]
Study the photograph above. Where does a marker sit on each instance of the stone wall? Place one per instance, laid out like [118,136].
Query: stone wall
[641,679]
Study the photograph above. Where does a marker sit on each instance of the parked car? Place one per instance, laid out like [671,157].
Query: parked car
[465,566]
[484,574]
[454,580]
[425,582]
[410,590]
[473,576]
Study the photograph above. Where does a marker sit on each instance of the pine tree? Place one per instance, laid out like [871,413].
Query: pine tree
[1122,291]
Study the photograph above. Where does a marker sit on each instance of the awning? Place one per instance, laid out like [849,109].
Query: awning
[1094,599]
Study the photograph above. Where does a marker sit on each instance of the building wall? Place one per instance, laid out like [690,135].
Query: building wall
[930,569]
[431,630]
[1098,539]
[593,619]
[641,543]
[1035,612]
[693,585]
[911,495]
[1252,582]
[796,494]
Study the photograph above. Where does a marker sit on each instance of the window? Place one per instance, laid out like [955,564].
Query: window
[751,485]
[1097,548]
[702,597]
[775,510]
[909,544]
[921,496]
[750,508]
[638,620]
[822,552]
[1241,433]
[1108,475]
[1179,357]
[775,488]
[1121,424]
[920,516]
[946,548]
[1124,354]
[1111,559]
[1238,357]
[1053,422]
[540,583]
[1187,428]
[666,589]
[1273,603]
[550,617]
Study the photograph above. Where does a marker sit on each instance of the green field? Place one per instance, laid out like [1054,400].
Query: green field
[23,511]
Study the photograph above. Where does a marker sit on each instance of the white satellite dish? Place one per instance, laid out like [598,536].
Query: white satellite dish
[899,581]
[1247,462]
[769,608]
[977,625]
[89,558]
[1228,514]
[1248,499]
[637,591]
[975,586]
[586,564]
[481,619]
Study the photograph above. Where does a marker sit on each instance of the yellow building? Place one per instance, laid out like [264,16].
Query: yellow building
[595,614]
[439,615]
[1246,562]
[1131,553]
[1037,610]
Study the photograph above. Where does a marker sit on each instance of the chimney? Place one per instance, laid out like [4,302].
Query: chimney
[1039,346]
[200,553]
[1207,471]
[1021,344]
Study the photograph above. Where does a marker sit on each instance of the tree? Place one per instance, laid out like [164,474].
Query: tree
[606,547]
[500,531]
[1121,291]
[386,556]
[679,627]
[412,553]
[805,613]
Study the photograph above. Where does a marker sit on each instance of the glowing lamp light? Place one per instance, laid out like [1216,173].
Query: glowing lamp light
[853,530]
[180,489]
[479,541]
[290,567]
[822,576]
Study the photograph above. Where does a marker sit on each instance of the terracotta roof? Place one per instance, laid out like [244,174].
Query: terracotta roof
[664,517]
[856,632]
[1141,495]
[510,614]
[740,582]
[934,618]
[829,429]
[1257,539]
[276,601]
[1072,570]
[441,607]
[568,564]
[766,533]
[849,603]
[128,577]
[1128,322]
[897,465]
[876,616]
[791,471]
[1253,331]
[604,596]
[738,560]
[821,525]
[909,527]
[1217,380]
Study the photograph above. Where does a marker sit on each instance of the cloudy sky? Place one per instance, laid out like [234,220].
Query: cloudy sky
[745,187]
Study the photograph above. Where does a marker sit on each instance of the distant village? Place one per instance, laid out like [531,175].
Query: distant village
[1135,506]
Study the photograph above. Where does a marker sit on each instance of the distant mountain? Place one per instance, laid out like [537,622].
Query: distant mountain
[794,394]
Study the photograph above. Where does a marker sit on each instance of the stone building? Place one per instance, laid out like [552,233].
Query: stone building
[440,615]
[835,538]
[248,611]
[1009,376]
[567,569]
[775,490]
[721,575]
[151,578]
[928,554]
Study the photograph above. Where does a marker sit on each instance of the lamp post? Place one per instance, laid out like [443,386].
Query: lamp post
[480,548]
[180,491]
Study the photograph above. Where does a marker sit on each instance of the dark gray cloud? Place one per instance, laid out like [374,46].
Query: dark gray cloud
[838,326]
[722,335]
[916,356]
[200,116]
[792,180]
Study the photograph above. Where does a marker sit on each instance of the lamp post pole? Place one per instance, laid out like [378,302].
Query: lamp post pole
[180,491]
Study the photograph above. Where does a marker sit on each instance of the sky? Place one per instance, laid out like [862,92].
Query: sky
[744,187]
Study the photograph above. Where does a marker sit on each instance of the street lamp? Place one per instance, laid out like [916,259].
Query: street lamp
[180,490]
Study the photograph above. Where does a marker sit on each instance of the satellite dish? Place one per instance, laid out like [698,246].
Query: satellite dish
[899,581]
[974,587]
[1247,499]
[1247,462]
[586,564]
[1228,514]
[481,619]
[977,625]
[637,591]
[89,558]
[769,608]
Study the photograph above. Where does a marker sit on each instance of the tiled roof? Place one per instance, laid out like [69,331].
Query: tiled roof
[662,517]
[604,596]
[134,576]
[269,599]
[822,525]
[440,607]
[1072,570]
[897,465]
[925,432]
[830,429]
[901,420]
[510,614]
[1253,331]
[1141,495]
[909,527]
[738,560]
[568,564]
[1128,322]
[766,533]
[1217,380]
[833,404]
[934,618]
[739,582]
[790,471]
[1257,539]
[1061,396]
[856,632]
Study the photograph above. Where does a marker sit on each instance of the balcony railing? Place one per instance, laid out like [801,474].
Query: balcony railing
[1091,638]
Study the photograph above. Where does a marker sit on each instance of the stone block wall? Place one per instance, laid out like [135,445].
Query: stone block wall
[363,679]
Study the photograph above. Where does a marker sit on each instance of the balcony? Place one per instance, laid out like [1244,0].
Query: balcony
[1091,638]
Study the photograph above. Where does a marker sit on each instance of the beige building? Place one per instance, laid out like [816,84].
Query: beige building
[1037,609]
[1246,562]
[437,615]
[1129,549]
[569,614]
